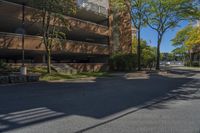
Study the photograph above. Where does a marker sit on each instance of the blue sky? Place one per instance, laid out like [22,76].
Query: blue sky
[151,37]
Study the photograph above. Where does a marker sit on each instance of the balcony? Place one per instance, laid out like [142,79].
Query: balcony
[91,6]
[35,44]
[89,26]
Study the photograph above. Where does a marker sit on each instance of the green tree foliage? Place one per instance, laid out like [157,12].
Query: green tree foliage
[166,14]
[135,45]
[179,42]
[148,56]
[148,53]
[3,65]
[182,36]
[194,38]
[185,41]
[171,57]
[180,53]
[51,16]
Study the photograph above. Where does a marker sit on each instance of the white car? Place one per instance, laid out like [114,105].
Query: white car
[168,63]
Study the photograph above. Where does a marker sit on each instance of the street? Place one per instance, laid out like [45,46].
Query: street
[149,103]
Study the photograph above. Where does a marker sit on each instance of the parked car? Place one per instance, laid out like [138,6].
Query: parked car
[168,63]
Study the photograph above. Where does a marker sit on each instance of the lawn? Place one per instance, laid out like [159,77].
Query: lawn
[63,76]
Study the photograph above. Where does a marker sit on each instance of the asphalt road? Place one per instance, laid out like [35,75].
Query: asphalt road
[148,103]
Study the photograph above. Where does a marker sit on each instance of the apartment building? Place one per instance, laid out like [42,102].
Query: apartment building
[95,33]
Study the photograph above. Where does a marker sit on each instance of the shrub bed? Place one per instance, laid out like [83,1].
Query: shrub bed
[123,62]
[192,64]
[4,79]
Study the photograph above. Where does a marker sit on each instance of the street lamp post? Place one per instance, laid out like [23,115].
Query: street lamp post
[23,27]
[23,69]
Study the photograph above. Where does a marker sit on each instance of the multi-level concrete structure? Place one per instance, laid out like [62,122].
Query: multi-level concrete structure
[94,34]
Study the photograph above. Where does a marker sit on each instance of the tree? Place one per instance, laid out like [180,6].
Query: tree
[51,16]
[148,56]
[185,40]
[143,44]
[171,57]
[148,53]
[194,38]
[193,42]
[182,36]
[166,14]
[137,9]
[180,53]
[179,42]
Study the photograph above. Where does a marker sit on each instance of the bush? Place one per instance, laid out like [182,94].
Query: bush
[148,57]
[187,63]
[5,69]
[3,65]
[193,64]
[123,62]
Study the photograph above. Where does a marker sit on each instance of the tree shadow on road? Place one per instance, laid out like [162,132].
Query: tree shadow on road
[28,104]
[188,91]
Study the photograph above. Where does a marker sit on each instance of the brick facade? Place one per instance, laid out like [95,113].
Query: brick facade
[120,31]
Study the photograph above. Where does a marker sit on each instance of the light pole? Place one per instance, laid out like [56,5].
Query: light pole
[23,10]
[23,69]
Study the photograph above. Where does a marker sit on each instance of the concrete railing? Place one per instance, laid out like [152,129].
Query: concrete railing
[72,21]
[93,7]
[35,43]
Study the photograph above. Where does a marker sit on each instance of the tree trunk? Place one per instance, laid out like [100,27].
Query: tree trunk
[158,53]
[183,58]
[158,58]
[49,61]
[199,58]
[47,43]
[139,51]
[190,58]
